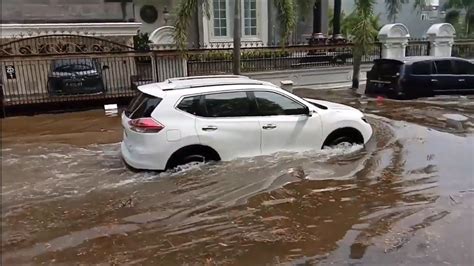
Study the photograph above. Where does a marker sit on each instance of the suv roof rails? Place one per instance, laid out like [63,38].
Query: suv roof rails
[206,77]
[250,82]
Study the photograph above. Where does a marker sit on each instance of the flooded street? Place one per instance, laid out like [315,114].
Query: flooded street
[407,197]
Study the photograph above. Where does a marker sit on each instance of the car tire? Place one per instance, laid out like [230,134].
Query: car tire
[193,158]
[340,140]
[349,136]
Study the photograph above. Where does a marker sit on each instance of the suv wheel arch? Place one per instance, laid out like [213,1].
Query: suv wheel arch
[346,134]
[192,153]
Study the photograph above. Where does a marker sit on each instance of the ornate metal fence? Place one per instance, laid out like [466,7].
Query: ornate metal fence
[61,71]
[463,48]
[418,47]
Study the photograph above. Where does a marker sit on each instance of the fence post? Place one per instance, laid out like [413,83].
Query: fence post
[441,38]
[394,40]
[154,68]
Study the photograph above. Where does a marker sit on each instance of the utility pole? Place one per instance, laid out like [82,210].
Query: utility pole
[237,37]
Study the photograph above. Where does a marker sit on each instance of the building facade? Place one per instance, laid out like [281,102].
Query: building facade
[259,23]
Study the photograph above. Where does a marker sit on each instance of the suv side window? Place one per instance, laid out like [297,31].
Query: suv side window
[444,67]
[422,68]
[463,67]
[270,103]
[190,105]
[227,104]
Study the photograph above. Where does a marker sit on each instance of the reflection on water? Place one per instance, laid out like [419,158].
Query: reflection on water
[76,202]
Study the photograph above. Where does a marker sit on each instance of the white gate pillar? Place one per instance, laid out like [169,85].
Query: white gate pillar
[394,39]
[441,38]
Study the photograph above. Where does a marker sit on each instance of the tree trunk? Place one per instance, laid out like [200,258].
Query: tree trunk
[356,69]
[237,37]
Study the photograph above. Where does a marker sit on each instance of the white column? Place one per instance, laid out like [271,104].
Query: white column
[441,38]
[394,39]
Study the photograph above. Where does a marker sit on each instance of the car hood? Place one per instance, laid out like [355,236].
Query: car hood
[329,105]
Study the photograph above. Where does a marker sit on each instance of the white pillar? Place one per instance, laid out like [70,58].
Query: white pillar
[441,38]
[394,39]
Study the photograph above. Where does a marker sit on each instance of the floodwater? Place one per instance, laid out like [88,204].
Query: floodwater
[405,198]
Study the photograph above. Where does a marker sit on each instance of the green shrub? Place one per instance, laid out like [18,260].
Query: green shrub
[245,55]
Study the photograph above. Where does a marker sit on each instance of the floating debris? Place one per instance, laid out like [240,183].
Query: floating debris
[111,109]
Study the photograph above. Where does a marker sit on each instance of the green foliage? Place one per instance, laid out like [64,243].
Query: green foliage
[287,16]
[393,8]
[304,7]
[466,14]
[465,25]
[363,34]
[246,55]
[141,42]
[364,31]
[186,9]
[184,13]
[349,22]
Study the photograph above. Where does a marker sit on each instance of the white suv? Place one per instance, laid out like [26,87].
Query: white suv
[196,119]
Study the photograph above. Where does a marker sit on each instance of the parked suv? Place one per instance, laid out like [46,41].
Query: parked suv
[420,76]
[75,76]
[198,119]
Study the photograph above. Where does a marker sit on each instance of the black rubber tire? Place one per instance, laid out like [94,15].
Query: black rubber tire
[341,139]
[188,158]
[346,136]
[199,158]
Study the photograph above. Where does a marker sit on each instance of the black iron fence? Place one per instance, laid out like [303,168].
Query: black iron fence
[69,71]
[463,48]
[83,77]
[418,47]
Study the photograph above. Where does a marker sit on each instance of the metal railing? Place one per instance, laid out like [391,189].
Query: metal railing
[463,48]
[418,47]
[59,72]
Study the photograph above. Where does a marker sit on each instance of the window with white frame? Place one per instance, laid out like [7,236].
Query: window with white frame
[250,17]
[254,22]
[219,8]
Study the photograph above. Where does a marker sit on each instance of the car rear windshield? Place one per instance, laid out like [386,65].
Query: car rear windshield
[142,106]
[387,67]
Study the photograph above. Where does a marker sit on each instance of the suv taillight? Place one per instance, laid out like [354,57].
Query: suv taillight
[145,125]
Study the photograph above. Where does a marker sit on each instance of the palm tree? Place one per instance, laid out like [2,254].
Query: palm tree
[393,8]
[186,9]
[350,22]
[363,35]
[467,6]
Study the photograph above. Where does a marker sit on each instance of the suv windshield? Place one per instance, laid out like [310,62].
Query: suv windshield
[142,106]
[387,68]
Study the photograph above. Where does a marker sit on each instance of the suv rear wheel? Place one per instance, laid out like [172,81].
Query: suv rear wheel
[192,154]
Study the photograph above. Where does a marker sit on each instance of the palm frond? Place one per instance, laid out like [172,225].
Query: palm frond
[419,4]
[304,7]
[287,14]
[184,12]
[364,31]
[393,8]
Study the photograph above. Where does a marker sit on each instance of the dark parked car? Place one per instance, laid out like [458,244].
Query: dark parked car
[420,76]
[75,76]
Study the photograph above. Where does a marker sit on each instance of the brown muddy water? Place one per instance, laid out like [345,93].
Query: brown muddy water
[405,198]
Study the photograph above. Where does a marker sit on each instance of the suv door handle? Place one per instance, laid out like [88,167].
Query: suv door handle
[269,126]
[209,128]
[434,80]
[461,80]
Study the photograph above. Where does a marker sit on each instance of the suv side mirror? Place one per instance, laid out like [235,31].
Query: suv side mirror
[308,112]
